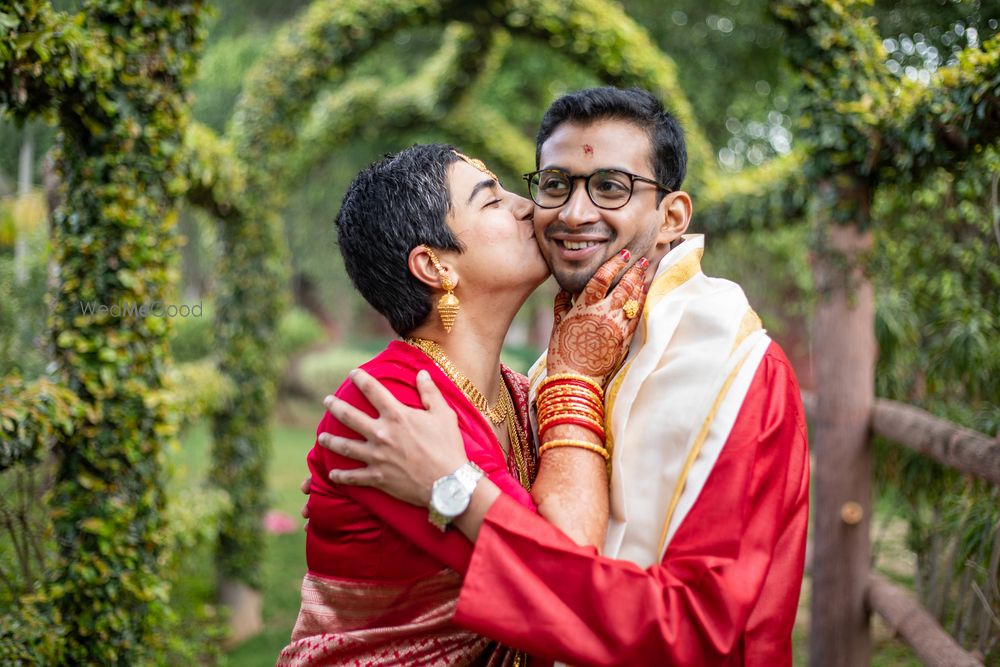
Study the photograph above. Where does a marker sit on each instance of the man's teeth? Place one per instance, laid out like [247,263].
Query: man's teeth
[579,245]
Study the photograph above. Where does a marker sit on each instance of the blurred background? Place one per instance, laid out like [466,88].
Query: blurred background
[935,269]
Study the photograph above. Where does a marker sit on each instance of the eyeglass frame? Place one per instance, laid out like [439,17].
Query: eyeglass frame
[573,178]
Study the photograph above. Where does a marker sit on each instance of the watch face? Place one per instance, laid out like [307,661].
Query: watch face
[450,497]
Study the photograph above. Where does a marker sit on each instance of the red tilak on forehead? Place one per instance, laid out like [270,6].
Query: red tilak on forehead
[588,149]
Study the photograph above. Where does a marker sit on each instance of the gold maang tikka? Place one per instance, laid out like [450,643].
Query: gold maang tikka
[478,164]
[448,303]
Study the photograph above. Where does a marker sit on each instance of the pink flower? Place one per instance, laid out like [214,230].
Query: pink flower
[279,523]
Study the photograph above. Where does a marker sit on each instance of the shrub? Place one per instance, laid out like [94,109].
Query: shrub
[298,330]
[322,371]
[193,338]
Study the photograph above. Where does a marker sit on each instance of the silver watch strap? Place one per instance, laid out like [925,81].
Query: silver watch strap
[469,474]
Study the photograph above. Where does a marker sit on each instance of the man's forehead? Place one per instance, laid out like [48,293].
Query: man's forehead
[598,141]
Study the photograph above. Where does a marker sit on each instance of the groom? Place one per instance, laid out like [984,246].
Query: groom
[709,468]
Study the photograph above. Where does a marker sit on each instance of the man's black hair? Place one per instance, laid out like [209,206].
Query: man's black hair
[392,206]
[668,157]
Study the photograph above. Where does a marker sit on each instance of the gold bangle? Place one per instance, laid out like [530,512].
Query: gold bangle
[570,405]
[572,376]
[557,393]
[568,390]
[582,444]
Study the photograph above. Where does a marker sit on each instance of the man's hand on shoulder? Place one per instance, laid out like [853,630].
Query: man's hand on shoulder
[405,449]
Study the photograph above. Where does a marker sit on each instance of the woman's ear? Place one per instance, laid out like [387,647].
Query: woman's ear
[424,268]
[677,209]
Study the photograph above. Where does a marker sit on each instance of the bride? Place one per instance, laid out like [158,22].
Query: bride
[432,241]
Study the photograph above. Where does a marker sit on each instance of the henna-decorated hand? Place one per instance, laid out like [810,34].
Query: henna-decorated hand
[591,336]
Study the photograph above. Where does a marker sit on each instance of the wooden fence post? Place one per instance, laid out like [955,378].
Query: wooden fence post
[844,348]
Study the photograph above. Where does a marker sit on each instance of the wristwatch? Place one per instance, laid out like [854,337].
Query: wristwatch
[451,494]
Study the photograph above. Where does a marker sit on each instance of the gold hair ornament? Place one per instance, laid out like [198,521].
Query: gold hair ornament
[478,164]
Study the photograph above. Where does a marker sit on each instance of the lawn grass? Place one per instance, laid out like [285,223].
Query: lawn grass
[284,561]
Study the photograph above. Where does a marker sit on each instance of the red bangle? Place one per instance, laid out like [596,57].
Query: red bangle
[574,421]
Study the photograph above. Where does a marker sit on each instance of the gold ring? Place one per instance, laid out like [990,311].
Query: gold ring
[631,308]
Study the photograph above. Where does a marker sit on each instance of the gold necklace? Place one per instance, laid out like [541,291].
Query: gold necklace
[495,414]
[516,441]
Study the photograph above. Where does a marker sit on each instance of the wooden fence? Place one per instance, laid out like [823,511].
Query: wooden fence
[959,448]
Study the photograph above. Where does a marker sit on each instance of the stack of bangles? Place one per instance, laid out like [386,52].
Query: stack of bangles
[568,398]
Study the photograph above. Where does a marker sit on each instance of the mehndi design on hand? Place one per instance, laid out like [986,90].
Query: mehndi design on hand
[592,335]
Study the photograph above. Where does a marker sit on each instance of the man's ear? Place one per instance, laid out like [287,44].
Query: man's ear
[422,267]
[676,209]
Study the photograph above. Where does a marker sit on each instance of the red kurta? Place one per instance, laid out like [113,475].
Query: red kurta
[726,591]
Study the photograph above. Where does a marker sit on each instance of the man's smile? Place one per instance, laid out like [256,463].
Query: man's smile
[577,247]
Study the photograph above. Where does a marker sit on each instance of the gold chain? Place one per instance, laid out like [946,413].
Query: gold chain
[516,441]
[495,414]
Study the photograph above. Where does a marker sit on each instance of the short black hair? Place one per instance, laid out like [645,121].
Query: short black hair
[391,207]
[634,105]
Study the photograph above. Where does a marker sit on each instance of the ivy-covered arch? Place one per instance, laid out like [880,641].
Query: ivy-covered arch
[284,92]
[318,47]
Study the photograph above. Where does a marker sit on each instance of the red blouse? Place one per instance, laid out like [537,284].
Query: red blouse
[362,533]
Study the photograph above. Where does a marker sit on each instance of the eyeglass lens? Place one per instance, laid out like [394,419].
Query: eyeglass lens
[607,188]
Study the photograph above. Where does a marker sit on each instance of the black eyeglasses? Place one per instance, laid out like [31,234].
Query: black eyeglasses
[607,188]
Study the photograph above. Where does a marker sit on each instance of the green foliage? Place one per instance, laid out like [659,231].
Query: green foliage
[23,309]
[192,338]
[196,389]
[603,39]
[322,371]
[194,592]
[841,61]
[28,638]
[773,195]
[47,57]
[220,76]
[298,330]
[114,76]
[773,269]
[937,324]
[938,279]
[961,111]
[863,120]
[32,417]
[953,530]
[250,304]
[217,181]
[192,632]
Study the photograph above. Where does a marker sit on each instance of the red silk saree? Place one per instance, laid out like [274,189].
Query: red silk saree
[383,582]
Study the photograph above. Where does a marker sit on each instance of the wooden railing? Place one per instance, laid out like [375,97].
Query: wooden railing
[964,450]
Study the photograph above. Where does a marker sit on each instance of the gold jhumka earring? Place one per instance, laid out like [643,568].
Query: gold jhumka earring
[448,303]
